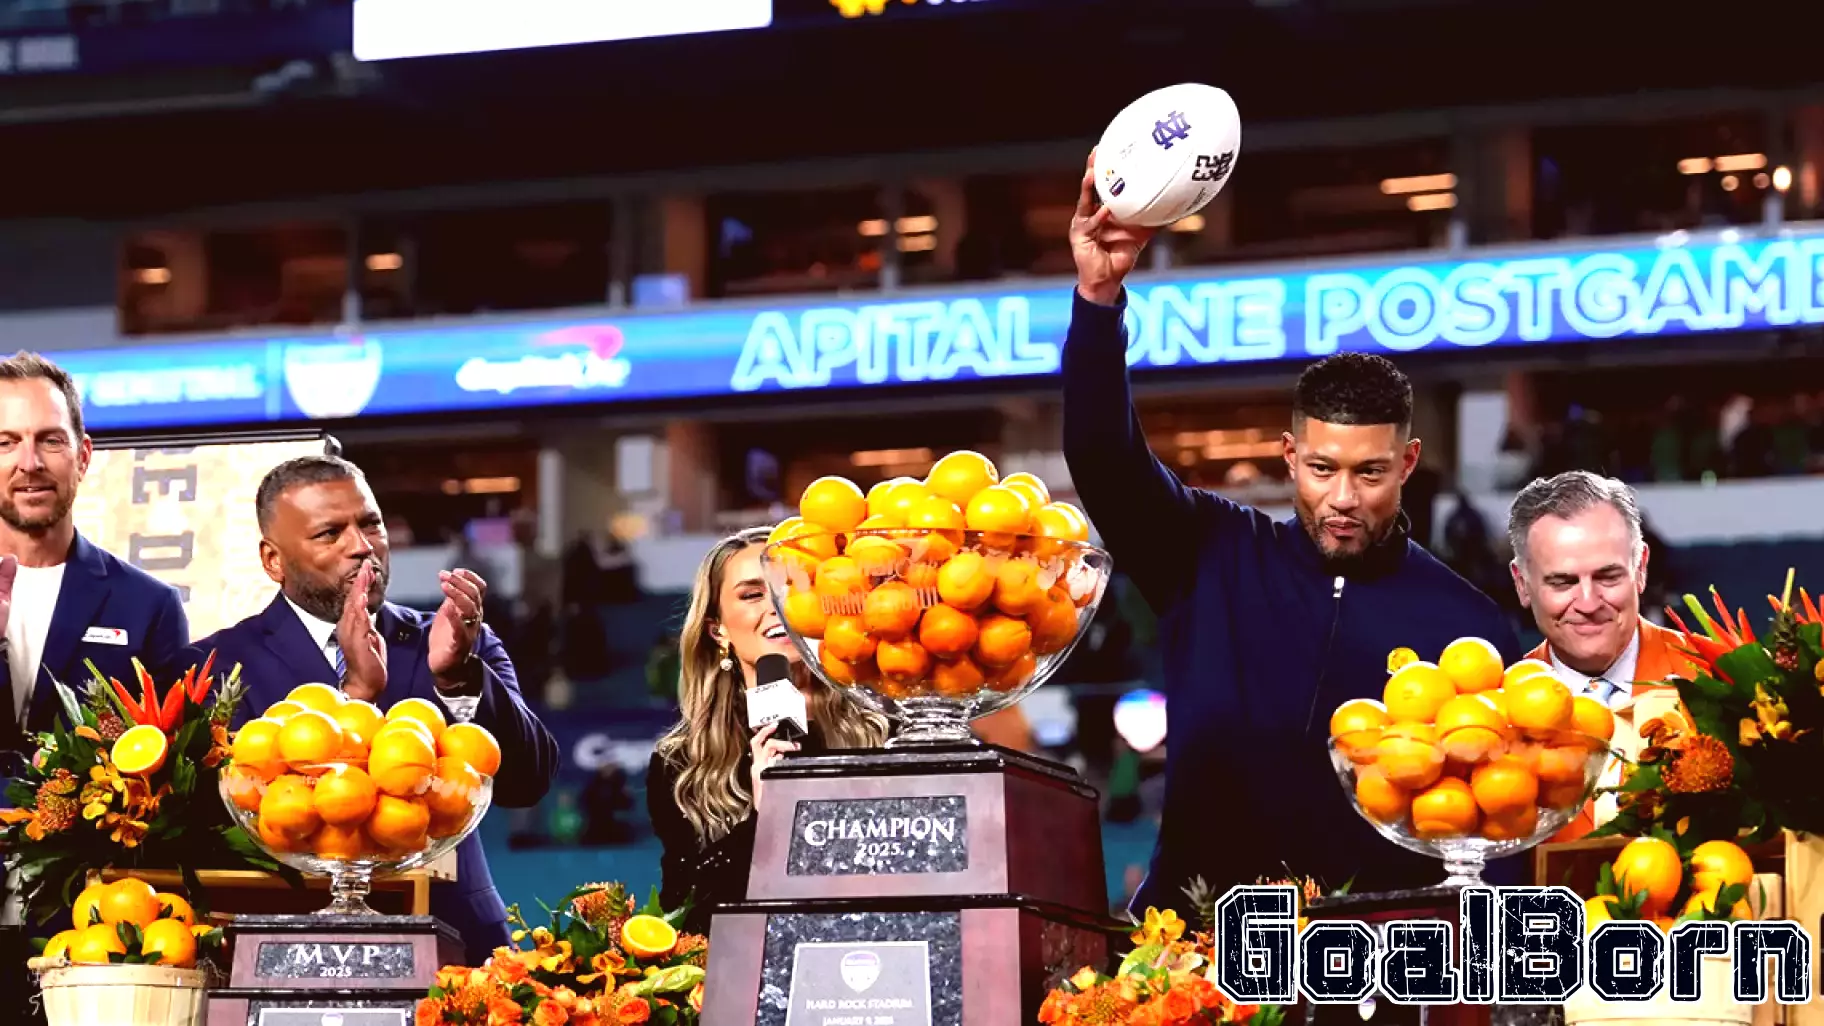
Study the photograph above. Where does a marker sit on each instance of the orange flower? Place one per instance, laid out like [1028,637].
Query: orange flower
[504,1010]
[632,1011]
[1055,1008]
[509,970]
[429,1013]
[218,745]
[606,963]
[1179,1004]
[1205,992]
[550,1013]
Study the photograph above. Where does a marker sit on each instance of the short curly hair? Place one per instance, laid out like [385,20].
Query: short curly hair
[1353,388]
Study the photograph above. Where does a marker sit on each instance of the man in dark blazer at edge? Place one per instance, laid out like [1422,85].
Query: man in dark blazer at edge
[63,601]
[1265,627]
[323,541]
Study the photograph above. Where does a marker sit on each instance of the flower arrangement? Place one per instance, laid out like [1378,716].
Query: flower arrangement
[600,962]
[127,781]
[1165,978]
[1746,750]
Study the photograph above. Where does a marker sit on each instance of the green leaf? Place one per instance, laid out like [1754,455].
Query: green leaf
[72,709]
[1144,955]
[1646,778]
[1748,665]
[183,776]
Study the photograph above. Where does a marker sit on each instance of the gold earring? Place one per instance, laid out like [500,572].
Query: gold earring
[727,662]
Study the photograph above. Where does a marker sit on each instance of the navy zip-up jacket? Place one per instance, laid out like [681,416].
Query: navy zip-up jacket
[1261,642]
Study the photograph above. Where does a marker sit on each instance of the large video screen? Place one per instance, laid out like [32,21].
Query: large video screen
[394,29]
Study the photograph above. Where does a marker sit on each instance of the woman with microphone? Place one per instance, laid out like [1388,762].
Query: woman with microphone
[703,783]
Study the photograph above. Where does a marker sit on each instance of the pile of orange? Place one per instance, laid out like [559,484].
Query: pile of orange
[1467,747]
[949,585]
[1652,868]
[165,923]
[325,775]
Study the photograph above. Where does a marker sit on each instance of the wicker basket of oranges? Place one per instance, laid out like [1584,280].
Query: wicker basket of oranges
[333,786]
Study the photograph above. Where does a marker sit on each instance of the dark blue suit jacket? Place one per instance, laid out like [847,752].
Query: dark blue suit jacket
[103,597]
[276,654]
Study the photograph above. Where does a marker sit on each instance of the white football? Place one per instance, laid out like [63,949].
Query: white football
[1168,154]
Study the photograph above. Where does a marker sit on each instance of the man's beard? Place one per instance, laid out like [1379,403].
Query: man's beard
[322,598]
[59,512]
[1343,563]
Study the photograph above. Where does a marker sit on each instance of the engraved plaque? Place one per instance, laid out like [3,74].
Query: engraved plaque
[860,983]
[862,969]
[868,836]
[333,960]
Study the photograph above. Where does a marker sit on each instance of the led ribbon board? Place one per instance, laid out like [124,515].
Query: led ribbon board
[1498,300]
[392,29]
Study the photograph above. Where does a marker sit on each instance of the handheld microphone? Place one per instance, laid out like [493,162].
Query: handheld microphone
[775,699]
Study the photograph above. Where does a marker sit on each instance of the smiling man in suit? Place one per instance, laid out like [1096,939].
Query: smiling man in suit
[63,601]
[323,541]
[1580,565]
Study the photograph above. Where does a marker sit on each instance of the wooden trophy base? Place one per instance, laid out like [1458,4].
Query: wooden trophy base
[923,886]
[312,969]
[982,961]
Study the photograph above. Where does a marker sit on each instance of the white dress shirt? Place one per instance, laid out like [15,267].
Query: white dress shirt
[461,707]
[321,631]
[1620,674]
[35,593]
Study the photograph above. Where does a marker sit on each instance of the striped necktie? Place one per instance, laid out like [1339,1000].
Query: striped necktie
[340,664]
[1604,691]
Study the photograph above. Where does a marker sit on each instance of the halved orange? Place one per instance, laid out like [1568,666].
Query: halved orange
[648,937]
[140,751]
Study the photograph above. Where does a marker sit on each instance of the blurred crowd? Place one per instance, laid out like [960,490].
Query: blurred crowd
[1774,434]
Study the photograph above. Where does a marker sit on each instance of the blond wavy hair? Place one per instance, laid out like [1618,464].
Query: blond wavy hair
[706,745]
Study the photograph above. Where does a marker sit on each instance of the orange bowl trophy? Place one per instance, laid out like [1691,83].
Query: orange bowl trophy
[881,867]
[1466,760]
[333,788]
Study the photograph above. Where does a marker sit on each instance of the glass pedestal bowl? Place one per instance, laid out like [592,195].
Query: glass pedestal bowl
[1470,795]
[424,820]
[935,627]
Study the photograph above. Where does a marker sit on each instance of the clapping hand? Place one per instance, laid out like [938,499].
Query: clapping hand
[456,626]
[363,650]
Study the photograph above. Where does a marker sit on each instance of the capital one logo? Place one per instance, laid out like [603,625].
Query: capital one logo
[860,969]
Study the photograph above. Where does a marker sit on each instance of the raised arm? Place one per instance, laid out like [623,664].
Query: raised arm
[1144,514]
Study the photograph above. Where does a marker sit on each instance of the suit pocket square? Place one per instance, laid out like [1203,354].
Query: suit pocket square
[105,636]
